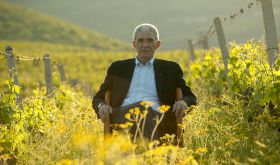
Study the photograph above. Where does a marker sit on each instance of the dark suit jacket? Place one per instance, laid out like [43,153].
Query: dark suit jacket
[168,76]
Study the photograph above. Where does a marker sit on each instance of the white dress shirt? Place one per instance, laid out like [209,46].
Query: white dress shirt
[143,85]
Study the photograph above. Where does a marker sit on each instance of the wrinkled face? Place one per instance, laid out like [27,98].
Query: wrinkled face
[145,44]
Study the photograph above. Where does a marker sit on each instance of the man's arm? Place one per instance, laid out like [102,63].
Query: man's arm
[99,98]
[188,96]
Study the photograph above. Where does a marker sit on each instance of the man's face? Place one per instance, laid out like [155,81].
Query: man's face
[145,44]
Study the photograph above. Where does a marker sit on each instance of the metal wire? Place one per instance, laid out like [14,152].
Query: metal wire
[232,17]
[242,11]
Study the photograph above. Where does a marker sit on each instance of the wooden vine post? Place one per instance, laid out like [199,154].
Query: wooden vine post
[205,44]
[270,31]
[222,41]
[61,72]
[13,73]
[191,50]
[48,74]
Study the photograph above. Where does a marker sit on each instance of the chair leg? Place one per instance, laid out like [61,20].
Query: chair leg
[180,131]
[107,130]
[107,124]
[179,121]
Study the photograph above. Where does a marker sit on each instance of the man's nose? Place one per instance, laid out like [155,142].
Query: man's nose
[145,44]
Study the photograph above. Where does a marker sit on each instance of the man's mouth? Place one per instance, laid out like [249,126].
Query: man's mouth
[145,50]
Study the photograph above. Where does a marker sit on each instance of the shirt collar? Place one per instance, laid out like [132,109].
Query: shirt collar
[150,62]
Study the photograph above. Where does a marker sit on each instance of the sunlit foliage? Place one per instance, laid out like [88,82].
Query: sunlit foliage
[236,120]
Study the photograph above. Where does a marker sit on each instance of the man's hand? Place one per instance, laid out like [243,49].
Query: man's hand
[180,107]
[103,110]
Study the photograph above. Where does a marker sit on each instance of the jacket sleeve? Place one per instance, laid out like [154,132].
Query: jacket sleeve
[105,86]
[188,96]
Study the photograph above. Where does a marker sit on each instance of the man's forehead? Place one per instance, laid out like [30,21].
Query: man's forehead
[145,34]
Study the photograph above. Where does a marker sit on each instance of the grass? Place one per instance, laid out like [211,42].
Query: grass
[222,129]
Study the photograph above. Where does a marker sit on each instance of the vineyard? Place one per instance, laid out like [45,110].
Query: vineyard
[50,72]
[236,121]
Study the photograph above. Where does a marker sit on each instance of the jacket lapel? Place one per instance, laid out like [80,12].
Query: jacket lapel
[159,75]
[130,69]
[128,73]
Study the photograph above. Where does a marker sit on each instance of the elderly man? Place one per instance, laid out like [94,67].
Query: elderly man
[144,78]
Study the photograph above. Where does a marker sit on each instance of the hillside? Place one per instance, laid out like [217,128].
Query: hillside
[177,21]
[19,23]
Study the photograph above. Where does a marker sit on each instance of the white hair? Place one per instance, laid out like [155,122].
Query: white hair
[144,28]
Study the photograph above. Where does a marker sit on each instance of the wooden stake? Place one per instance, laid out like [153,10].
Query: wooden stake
[222,41]
[270,31]
[191,50]
[61,72]
[13,72]
[205,44]
[48,74]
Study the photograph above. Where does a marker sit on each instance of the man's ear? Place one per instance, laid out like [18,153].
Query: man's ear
[133,44]
[158,44]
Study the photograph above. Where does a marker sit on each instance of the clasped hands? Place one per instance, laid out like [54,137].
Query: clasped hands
[180,107]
